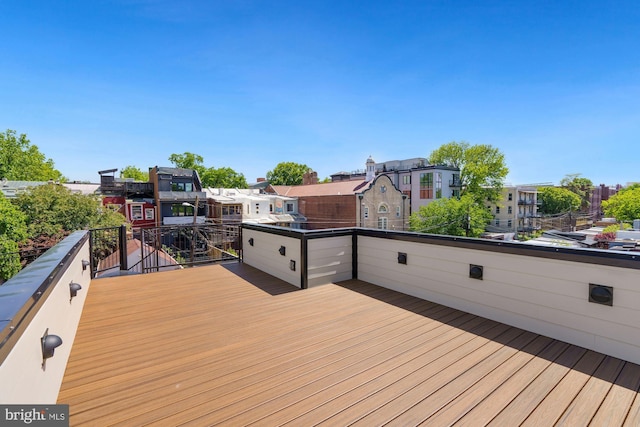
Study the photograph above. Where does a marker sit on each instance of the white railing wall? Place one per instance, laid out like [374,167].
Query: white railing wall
[542,290]
[542,295]
[24,376]
[329,260]
[262,250]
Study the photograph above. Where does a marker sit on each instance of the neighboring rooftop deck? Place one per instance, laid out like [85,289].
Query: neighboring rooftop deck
[233,345]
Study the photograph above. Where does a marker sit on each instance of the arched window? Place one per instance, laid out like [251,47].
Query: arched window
[383,208]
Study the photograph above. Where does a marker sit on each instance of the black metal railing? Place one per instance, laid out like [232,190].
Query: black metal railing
[143,250]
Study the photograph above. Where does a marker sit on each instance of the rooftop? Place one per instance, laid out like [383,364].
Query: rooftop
[230,344]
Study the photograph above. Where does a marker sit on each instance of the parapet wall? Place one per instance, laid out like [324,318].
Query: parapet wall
[586,297]
[35,302]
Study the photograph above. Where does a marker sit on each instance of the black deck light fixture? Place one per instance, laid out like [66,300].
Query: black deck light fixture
[292,265]
[402,258]
[476,271]
[49,344]
[73,289]
[85,264]
[282,250]
[600,294]
[251,241]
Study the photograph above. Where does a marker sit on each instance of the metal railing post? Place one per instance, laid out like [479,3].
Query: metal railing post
[122,243]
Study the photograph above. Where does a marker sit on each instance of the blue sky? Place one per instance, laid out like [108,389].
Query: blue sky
[247,84]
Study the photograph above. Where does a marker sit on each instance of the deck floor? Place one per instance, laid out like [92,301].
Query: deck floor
[231,345]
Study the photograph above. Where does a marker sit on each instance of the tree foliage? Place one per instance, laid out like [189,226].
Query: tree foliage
[13,230]
[53,209]
[134,172]
[557,200]
[453,217]
[287,173]
[188,160]
[22,161]
[623,206]
[223,177]
[582,187]
[482,168]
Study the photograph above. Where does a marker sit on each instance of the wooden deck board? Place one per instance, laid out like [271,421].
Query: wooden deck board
[232,345]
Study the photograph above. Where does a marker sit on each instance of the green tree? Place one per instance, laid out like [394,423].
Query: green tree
[224,177]
[188,160]
[287,173]
[482,168]
[53,209]
[623,206]
[22,161]
[580,186]
[555,200]
[135,173]
[13,231]
[453,217]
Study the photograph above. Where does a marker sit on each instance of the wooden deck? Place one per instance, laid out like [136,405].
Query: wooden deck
[231,345]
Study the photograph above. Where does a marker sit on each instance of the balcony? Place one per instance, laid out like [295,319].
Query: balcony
[528,202]
[350,326]
[455,183]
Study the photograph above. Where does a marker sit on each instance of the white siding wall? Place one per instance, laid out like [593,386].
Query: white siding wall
[329,260]
[23,378]
[546,296]
[264,254]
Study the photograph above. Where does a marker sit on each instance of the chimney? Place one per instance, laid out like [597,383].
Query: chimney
[310,178]
[261,179]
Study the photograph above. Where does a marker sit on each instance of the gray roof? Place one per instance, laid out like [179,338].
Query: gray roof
[176,171]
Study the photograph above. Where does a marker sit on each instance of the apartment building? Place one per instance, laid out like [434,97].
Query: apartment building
[516,211]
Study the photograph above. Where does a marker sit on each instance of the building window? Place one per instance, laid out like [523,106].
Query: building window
[383,208]
[289,207]
[366,212]
[177,209]
[382,223]
[510,210]
[149,213]
[270,207]
[181,186]
[510,196]
[497,210]
[398,211]
[497,223]
[455,193]
[406,179]
[136,212]
[509,223]
[231,210]
[426,185]
[438,176]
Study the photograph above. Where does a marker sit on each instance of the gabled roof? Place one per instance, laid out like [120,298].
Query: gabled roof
[341,188]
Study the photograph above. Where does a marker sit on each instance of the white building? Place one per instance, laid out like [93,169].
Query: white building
[517,211]
[424,184]
[233,205]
